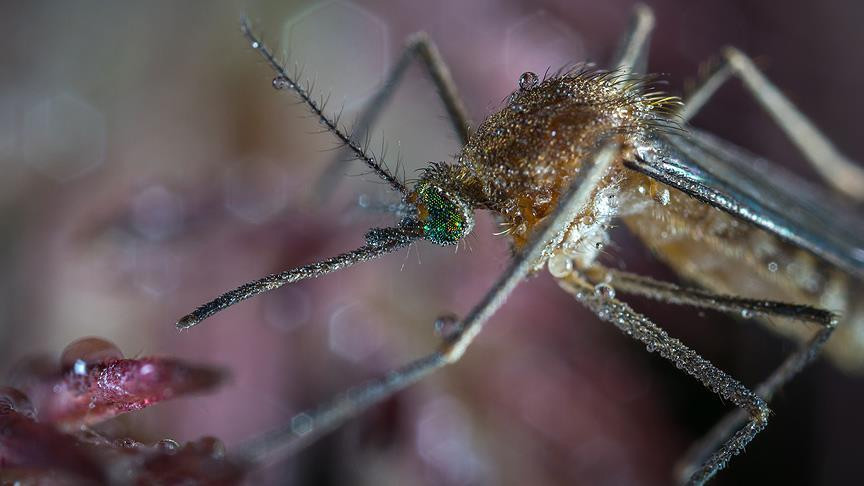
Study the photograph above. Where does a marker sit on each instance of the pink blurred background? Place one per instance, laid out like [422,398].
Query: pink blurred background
[148,165]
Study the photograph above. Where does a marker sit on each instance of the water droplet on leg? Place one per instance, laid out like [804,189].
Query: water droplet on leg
[604,291]
[302,424]
[560,265]
[448,327]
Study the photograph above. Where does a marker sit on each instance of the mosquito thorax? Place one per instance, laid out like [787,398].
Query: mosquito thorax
[522,158]
[443,216]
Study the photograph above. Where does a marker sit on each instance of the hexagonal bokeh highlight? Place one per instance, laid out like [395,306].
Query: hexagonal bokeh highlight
[538,42]
[342,47]
[63,136]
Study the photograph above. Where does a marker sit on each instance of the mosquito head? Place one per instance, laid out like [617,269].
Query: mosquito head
[443,216]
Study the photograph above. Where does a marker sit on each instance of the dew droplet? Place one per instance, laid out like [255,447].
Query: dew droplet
[664,197]
[255,45]
[528,80]
[598,245]
[281,82]
[168,445]
[302,424]
[746,313]
[88,351]
[772,267]
[604,291]
[448,326]
[560,265]
[641,189]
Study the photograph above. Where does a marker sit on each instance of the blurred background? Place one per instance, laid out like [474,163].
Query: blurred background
[148,165]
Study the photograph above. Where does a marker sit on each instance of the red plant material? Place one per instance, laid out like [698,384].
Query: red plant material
[87,391]
[33,452]
[32,447]
[92,384]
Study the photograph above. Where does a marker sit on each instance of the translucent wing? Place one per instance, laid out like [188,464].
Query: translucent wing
[758,192]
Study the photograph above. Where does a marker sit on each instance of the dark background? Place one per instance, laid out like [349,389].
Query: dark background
[147,165]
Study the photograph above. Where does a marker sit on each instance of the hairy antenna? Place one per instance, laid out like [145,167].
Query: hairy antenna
[378,242]
[284,80]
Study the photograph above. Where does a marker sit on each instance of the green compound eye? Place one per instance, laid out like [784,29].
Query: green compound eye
[446,220]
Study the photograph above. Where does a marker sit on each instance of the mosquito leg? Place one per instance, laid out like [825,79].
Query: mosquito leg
[609,309]
[632,54]
[418,46]
[673,294]
[838,170]
[308,426]
[666,292]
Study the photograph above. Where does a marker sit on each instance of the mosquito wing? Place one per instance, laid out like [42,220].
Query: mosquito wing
[756,191]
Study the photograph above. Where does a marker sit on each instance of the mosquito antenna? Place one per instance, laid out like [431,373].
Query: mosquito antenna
[284,80]
[378,242]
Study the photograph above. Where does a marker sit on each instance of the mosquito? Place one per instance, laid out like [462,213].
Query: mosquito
[565,157]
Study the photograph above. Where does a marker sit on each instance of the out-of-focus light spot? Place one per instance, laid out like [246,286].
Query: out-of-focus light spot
[157,213]
[620,385]
[8,126]
[538,42]
[602,457]
[152,270]
[288,309]
[63,137]
[444,442]
[353,333]
[257,192]
[342,47]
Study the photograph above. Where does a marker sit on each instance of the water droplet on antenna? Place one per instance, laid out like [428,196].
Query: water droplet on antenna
[281,82]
